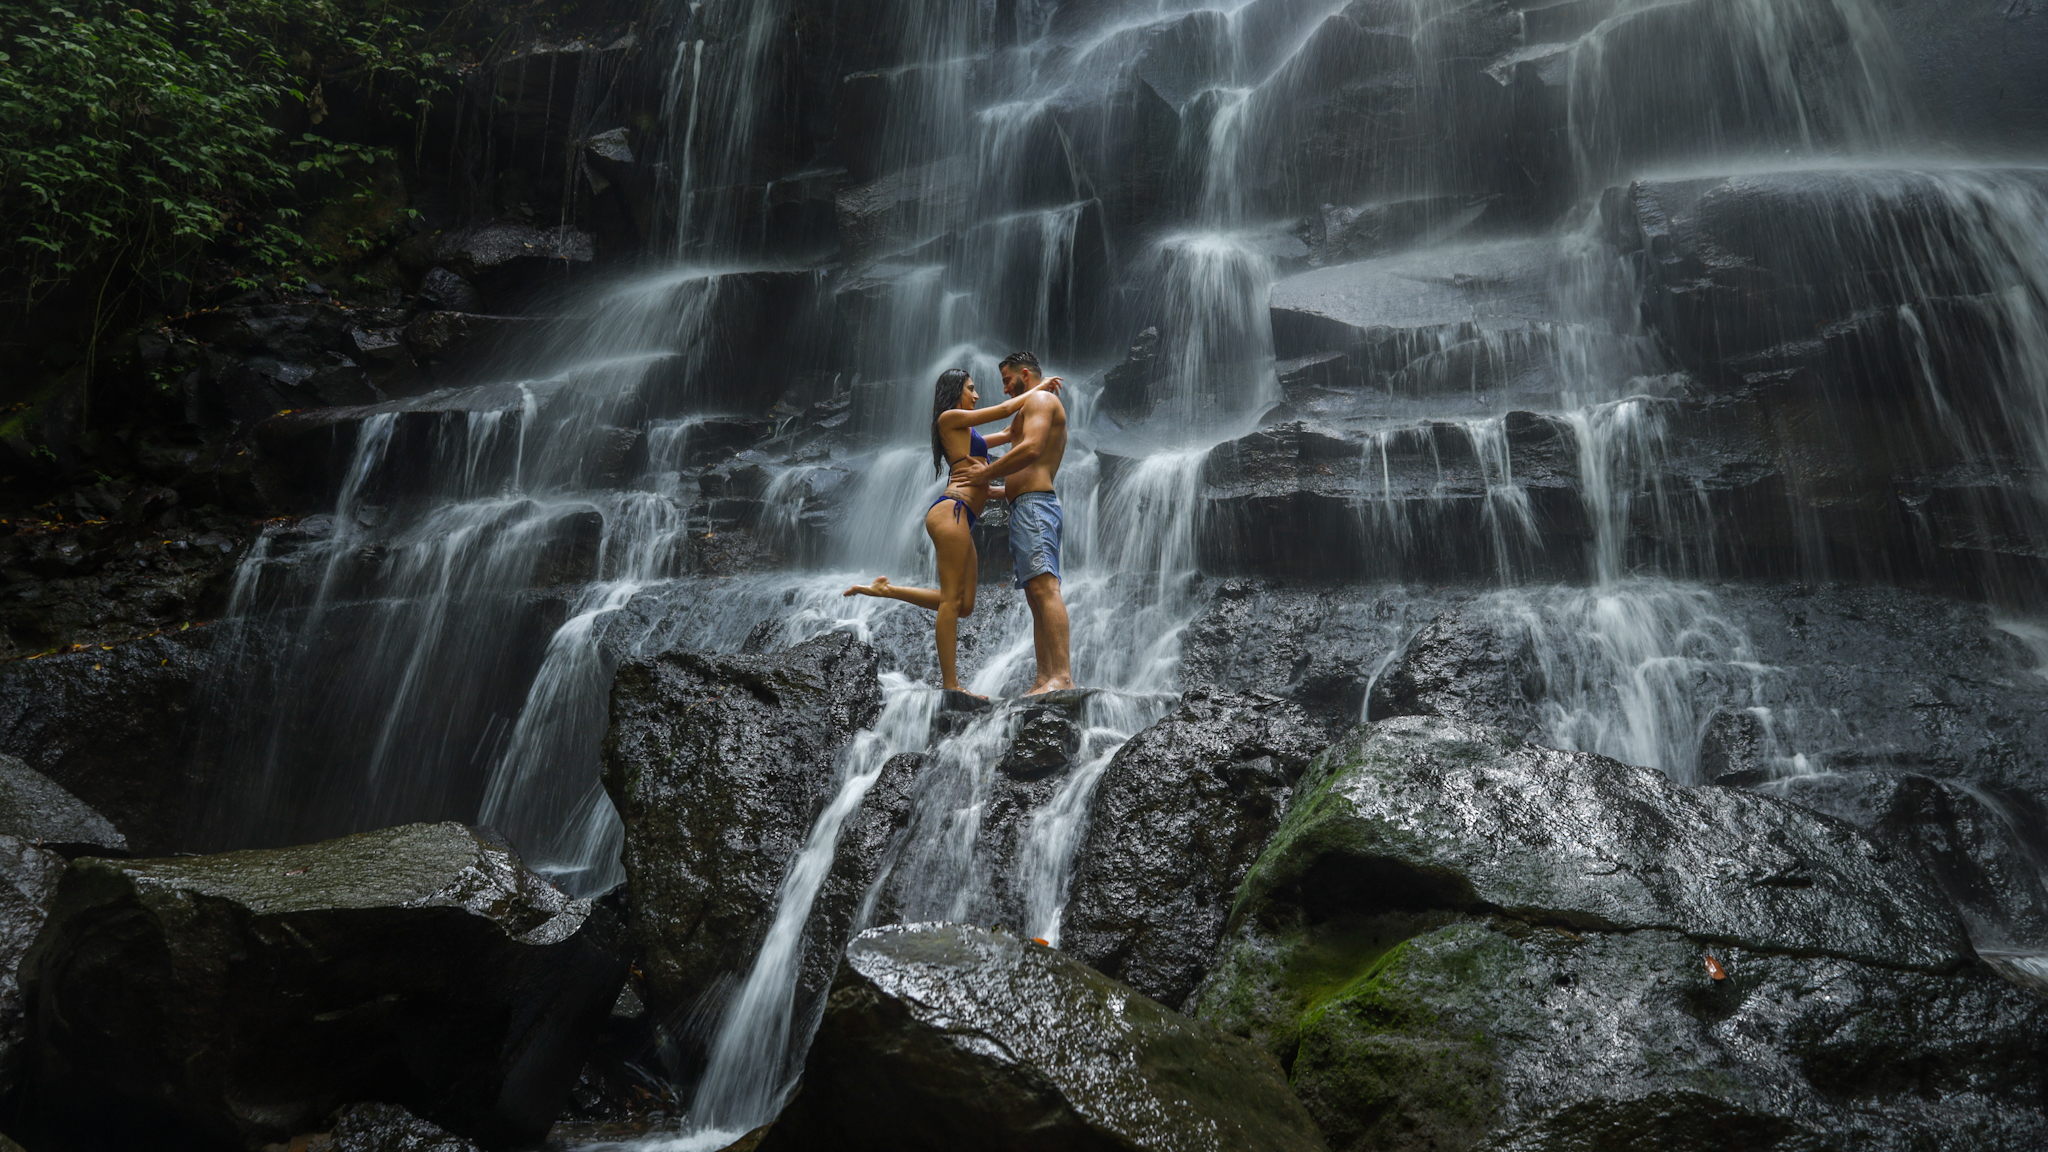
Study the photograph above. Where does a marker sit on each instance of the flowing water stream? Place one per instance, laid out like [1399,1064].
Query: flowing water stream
[443,644]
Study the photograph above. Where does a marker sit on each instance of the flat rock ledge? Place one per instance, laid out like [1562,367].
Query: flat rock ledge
[240,999]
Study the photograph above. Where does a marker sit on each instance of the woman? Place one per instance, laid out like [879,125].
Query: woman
[954,444]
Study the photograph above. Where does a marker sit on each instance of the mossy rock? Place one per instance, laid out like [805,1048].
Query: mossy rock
[1459,940]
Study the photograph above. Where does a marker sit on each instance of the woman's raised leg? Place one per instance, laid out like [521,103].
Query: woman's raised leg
[925,598]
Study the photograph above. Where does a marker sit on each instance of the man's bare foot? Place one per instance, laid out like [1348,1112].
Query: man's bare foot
[966,693]
[879,588]
[1056,684]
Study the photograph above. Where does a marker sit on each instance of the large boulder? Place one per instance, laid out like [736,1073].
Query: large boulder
[240,998]
[113,727]
[1458,939]
[1424,812]
[1180,814]
[718,766]
[943,1036]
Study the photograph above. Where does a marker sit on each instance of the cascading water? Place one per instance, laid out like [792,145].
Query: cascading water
[443,643]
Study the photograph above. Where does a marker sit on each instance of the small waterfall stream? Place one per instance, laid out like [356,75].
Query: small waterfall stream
[442,644]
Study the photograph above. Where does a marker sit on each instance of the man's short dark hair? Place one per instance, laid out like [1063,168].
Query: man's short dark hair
[1017,361]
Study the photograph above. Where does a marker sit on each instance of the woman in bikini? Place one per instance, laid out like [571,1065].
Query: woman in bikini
[951,518]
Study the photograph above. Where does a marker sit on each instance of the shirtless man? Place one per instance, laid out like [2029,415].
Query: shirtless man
[1038,441]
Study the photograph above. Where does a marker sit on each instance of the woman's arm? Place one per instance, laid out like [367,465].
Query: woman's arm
[960,418]
[998,439]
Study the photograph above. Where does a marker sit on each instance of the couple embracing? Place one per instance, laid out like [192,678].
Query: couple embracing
[1037,437]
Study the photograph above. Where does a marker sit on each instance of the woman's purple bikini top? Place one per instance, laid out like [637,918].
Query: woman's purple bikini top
[976,446]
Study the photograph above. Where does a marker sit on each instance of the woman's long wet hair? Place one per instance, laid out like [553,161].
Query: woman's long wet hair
[945,398]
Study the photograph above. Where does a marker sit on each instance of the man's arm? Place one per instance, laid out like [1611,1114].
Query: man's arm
[1030,443]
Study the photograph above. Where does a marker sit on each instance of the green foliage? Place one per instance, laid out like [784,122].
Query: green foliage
[132,138]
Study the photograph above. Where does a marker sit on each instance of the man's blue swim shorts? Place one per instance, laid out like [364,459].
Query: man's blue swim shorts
[1035,535]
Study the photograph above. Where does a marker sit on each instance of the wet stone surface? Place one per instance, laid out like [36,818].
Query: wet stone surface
[941,1035]
[33,808]
[1180,814]
[114,728]
[1457,938]
[154,979]
[718,765]
[1416,813]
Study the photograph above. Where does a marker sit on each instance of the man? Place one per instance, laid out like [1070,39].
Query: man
[1038,441]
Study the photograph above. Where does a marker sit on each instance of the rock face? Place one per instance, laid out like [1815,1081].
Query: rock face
[1859,308]
[240,998]
[1179,816]
[945,1036]
[1457,939]
[717,765]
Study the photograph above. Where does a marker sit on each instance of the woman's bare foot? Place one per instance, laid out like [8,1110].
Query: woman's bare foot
[966,693]
[879,588]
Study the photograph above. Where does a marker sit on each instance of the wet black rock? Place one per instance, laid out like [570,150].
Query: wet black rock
[313,450]
[240,998]
[1984,847]
[718,765]
[28,879]
[1127,387]
[1459,668]
[149,561]
[1044,736]
[1489,288]
[1739,265]
[1428,489]
[444,290]
[1734,749]
[1493,1034]
[388,1128]
[1317,646]
[1458,939]
[33,808]
[450,340]
[113,727]
[945,1036]
[1180,814]
[505,260]
[1338,235]
[1419,812]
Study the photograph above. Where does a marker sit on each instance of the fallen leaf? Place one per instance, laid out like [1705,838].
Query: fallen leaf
[1715,970]
[1041,940]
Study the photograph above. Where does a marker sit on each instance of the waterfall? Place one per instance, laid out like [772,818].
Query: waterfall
[1060,177]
